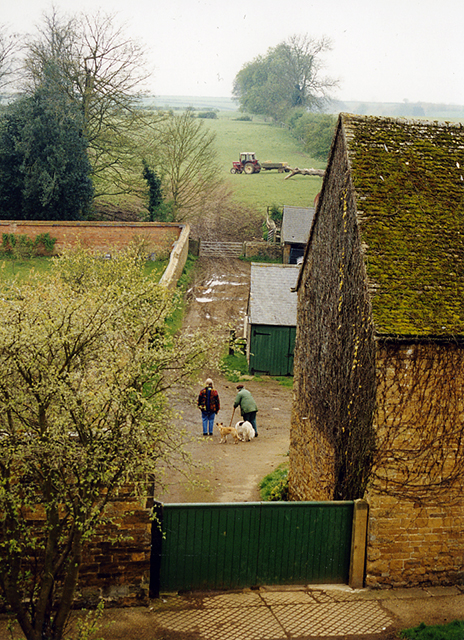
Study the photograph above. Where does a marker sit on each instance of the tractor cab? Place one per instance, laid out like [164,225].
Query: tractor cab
[247,156]
[247,163]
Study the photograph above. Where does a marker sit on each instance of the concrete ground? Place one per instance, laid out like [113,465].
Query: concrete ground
[283,613]
[280,613]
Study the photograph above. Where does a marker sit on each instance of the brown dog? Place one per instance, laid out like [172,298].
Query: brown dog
[226,431]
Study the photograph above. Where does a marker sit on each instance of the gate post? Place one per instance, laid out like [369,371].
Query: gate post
[358,544]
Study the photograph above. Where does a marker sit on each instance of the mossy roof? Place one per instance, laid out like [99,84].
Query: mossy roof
[408,178]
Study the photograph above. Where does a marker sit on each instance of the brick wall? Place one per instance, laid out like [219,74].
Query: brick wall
[116,562]
[102,236]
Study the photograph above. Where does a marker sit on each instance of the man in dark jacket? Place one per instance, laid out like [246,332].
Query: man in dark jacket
[248,406]
[208,403]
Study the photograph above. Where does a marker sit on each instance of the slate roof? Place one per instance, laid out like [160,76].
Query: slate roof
[408,178]
[271,300]
[296,224]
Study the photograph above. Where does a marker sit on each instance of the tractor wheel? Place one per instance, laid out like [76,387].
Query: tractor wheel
[249,168]
[233,170]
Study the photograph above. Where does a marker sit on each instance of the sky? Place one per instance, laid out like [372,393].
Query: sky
[382,51]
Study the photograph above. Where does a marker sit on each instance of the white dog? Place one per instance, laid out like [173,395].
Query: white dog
[245,430]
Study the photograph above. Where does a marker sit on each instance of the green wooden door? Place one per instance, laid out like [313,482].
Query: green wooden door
[271,350]
[214,546]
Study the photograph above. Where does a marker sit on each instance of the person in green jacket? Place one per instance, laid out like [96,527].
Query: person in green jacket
[248,406]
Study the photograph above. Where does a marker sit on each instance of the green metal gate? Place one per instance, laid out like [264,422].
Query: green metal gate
[217,545]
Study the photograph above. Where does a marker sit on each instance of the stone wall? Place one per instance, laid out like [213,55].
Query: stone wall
[177,259]
[412,545]
[311,465]
[334,374]
[102,236]
[415,495]
[263,249]
[415,525]
[116,562]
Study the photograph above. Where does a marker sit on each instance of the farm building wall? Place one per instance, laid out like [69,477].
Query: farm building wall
[334,375]
[415,495]
[102,236]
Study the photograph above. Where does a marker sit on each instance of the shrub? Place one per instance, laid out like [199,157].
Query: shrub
[209,115]
[316,131]
[274,486]
[21,246]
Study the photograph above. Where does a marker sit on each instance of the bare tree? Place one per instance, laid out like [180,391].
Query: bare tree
[8,49]
[185,158]
[96,64]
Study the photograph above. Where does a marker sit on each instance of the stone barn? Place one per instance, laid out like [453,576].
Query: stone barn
[379,358]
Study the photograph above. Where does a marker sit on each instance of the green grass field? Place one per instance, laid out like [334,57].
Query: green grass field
[269,143]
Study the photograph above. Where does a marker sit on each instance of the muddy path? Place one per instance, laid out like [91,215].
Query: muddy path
[227,473]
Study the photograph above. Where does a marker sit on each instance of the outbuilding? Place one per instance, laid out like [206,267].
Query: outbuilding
[296,224]
[271,319]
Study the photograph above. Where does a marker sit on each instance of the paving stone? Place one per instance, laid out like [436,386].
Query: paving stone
[350,618]
[443,591]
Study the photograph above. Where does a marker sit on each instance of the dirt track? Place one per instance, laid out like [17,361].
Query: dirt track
[218,295]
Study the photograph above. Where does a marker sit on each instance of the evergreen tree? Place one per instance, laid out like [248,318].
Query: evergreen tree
[157,209]
[44,167]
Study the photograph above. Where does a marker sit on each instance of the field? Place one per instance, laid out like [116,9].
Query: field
[269,143]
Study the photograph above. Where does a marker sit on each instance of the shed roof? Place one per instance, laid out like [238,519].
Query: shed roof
[272,301]
[408,178]
[296,224]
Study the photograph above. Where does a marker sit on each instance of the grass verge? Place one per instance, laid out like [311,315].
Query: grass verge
[451,631]
[274,486]
[174,322]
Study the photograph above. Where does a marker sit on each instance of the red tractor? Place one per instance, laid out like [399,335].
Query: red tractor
[247,163]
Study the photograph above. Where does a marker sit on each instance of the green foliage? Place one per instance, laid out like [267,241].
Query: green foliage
[315,130]
[276,213]
[284,381]
[92,64]
[452,631]
[243,118]
[158,210]
[274,486]
[44,168]
[234,366]
[285,78]
[86,362]
[208,115]
[24,247]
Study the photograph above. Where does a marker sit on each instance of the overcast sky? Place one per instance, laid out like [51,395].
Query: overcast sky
[383,51]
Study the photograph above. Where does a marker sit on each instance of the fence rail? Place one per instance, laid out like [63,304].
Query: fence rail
[221,249]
